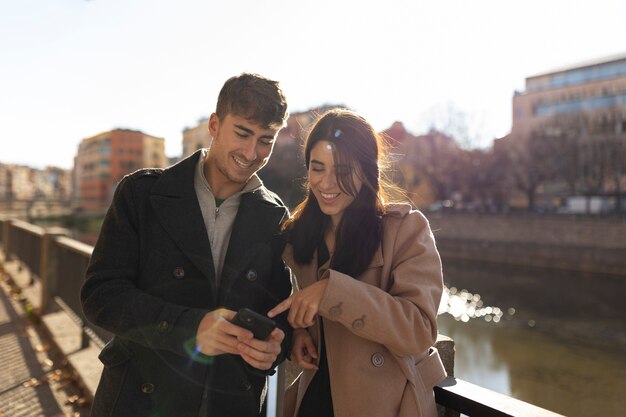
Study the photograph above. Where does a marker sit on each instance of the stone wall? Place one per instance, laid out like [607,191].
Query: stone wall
[569,242]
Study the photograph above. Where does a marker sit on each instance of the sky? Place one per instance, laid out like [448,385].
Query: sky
[70,69]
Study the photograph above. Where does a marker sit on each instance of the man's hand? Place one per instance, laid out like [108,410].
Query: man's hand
[261,354]
[303,350]
[216,335]
[302,305]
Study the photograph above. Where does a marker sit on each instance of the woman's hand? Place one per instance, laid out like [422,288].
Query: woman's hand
[303,305]
[303,351]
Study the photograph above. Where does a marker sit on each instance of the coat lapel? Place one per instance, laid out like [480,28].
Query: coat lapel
[175,203]
[255,224]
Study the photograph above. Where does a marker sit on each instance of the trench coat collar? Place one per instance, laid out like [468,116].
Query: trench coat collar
[377,261]
[175,203]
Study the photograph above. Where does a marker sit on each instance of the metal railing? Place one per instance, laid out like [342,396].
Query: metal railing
[60,263]
[472,400]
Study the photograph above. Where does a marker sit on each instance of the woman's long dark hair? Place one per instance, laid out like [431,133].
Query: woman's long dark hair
[359,233]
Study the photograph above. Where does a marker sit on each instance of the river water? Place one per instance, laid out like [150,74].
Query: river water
[553,338]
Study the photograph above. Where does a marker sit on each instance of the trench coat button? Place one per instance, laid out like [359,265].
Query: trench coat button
[246,386]
[251,275]
[179,272]
[335,311]
[378,359]
[163,326]
[147,388]
[358,324]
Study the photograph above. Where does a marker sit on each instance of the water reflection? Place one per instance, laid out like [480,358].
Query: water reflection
[463,306]
[553,338]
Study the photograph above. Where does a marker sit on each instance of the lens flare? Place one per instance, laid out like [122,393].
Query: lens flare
[464,306]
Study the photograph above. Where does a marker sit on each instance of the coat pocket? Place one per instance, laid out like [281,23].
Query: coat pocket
[429,372]
[431,369]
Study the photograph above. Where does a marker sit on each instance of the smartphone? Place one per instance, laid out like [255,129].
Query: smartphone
[260,326]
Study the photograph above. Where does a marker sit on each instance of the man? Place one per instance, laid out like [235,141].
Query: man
[180,251]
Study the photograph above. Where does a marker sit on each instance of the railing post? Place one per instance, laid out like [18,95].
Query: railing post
[5,238]
[445,346]
[48,273]
[2,222]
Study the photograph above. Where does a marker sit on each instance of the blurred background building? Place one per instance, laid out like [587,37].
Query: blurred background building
[196,137]
[567,146]
[594,90]
[102,160]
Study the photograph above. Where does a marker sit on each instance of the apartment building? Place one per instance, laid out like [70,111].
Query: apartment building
[5,182]
[103,160]
[196,137]
[594,89]
[568,136]
[23,183]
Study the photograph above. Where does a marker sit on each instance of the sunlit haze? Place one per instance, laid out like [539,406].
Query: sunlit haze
[71,69]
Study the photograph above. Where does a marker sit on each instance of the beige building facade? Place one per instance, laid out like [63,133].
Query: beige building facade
[568,137]
[596,89]
[196,137]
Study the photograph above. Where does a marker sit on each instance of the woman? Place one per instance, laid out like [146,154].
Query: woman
[371,282]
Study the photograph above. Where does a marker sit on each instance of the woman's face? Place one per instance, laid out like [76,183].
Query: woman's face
[323,181]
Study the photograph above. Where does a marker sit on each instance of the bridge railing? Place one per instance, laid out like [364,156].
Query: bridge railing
[58,264]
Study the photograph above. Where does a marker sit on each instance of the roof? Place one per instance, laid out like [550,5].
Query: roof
[583,64]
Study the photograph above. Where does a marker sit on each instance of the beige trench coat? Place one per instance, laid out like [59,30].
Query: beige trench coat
[379,328]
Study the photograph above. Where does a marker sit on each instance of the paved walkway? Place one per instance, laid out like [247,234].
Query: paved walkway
[35,380]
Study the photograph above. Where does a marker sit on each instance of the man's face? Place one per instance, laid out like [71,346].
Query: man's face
[239,149]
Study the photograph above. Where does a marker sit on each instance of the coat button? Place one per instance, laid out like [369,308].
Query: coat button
[179,272]
[358,324]
[246,386]
[378,359]
[147,388]
[251,275]
[335,311]
[163,326]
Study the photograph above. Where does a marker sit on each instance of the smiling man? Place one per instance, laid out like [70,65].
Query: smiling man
[180,251]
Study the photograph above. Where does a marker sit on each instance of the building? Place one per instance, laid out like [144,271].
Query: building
[298,123]
[595,88]
[103,160]
[5,182]
[197,137]
[154,152]
[60,183]
[568,136]
[23,185]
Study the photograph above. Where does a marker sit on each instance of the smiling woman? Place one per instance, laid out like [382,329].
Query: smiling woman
[332,196]
[371,282]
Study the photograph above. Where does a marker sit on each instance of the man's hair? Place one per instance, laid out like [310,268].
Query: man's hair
[255,98]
